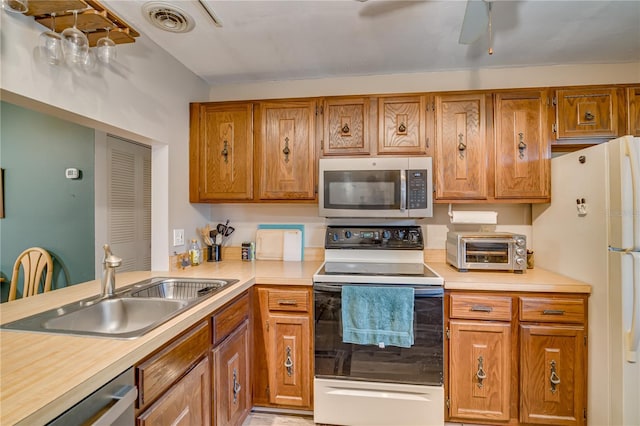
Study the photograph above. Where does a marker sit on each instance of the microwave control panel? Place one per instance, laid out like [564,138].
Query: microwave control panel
[417,189]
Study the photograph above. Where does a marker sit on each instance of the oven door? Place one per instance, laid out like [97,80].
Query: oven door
[487,253]
[420,364]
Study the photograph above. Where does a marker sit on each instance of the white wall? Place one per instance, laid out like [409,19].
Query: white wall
[144,96]
[494,78]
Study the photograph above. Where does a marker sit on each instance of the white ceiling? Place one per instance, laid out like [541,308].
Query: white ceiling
[302,39]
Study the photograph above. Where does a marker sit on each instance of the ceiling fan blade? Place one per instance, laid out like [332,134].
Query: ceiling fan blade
[476,19]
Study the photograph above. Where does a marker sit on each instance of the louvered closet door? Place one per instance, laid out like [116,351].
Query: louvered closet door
[129,203]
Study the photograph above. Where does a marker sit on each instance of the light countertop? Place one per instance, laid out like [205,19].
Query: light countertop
[42,375]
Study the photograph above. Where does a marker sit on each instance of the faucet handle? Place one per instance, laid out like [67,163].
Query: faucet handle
[109,259]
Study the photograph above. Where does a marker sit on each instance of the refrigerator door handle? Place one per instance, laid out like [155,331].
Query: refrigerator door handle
[632,336]
[630,152]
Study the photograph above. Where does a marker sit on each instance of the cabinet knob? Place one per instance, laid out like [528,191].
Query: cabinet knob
[345,129]
[481,375]
[288,362]
[236,386]
[588,116]
[521,145]
[402,128]
[225,152]
[554,378]
[286,151]
[461,145]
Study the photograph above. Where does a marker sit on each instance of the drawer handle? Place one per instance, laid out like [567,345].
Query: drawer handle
[481,308]
[553,312]
[481,375]
[554,378]
[286,151]
[288,302]
[288,363]
[236,386]
[225,152]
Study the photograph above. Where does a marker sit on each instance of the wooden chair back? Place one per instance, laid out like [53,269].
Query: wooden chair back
[35,262]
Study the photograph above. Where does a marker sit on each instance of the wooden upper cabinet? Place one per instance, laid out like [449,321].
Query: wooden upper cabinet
[522,151]
[346,126]
[633,111]
[461,147]
[221,152]
[587,113]
[286,147]
[402,125]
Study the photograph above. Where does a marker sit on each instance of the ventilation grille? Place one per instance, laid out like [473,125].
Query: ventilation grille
[168,17]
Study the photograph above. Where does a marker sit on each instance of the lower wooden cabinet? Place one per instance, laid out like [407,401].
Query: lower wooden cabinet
[479,370]
[185,404]
[231,384]
[553,379]
[516,358]
[283,352]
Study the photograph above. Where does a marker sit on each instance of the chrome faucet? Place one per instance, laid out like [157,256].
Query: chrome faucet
[109,265]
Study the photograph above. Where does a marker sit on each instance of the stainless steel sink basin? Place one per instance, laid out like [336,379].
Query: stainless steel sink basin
[132,312]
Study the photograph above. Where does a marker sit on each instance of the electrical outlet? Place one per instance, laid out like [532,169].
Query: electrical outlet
[178,237]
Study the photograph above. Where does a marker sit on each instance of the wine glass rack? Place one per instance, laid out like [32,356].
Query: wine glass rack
[93,19]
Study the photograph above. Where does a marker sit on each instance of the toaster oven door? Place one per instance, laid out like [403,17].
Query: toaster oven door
[486,253]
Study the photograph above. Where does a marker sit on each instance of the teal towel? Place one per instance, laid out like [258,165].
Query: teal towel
[380,316]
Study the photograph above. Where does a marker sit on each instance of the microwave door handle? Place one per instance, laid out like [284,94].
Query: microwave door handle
[403,190]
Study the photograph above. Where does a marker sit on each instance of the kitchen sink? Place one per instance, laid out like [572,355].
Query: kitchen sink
[133,311]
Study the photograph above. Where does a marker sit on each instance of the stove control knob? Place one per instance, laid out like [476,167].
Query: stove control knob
[347,234]
[386,234]
[400,234]
[334,236]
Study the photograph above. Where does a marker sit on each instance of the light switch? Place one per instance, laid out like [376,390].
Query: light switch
[178,237]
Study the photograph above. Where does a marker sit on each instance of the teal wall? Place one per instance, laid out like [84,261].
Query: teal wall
[42,207]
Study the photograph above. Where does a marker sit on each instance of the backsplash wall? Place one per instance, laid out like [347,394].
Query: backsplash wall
[246,217]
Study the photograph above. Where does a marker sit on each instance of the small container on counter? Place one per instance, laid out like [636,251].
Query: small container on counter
[194,253]
[214,253]
[530,259]
[248,251]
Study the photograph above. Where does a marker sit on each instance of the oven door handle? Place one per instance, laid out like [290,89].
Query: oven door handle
[418,291]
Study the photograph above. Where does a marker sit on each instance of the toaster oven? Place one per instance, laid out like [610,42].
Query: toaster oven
[496,251]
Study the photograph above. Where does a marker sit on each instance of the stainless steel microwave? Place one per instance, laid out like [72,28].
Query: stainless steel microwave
[395,187]
[494,251]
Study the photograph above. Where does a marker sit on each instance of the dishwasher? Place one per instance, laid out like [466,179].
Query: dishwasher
[112,404]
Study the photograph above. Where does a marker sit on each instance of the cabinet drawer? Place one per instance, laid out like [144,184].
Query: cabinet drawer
[158,372]
[545,309]
[289,300]
[229,318]
[480,306]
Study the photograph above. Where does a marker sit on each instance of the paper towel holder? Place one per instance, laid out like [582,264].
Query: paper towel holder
[473,217]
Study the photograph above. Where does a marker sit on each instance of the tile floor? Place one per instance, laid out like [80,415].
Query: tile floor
[270,419]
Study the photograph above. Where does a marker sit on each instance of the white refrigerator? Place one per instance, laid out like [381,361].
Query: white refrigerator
[591,232]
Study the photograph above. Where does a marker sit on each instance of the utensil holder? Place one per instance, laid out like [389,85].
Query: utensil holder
[214,253]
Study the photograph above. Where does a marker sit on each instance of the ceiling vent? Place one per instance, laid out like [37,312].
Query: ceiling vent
[168,17]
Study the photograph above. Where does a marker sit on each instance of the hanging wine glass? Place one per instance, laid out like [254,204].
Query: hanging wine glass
[75,44]
[16,6]
[51,44]
[106,49]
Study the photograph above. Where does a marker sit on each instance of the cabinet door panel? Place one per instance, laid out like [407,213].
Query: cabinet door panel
[225,168]
[587,113]
[346,126]
[479,370]
[552,369]
[289,360]
[187,403]
[402,125]
[522,154]
[633,111]
[287,147]
[231,385]
[461,151]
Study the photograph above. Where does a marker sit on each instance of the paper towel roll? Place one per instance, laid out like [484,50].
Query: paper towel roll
[479,217]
